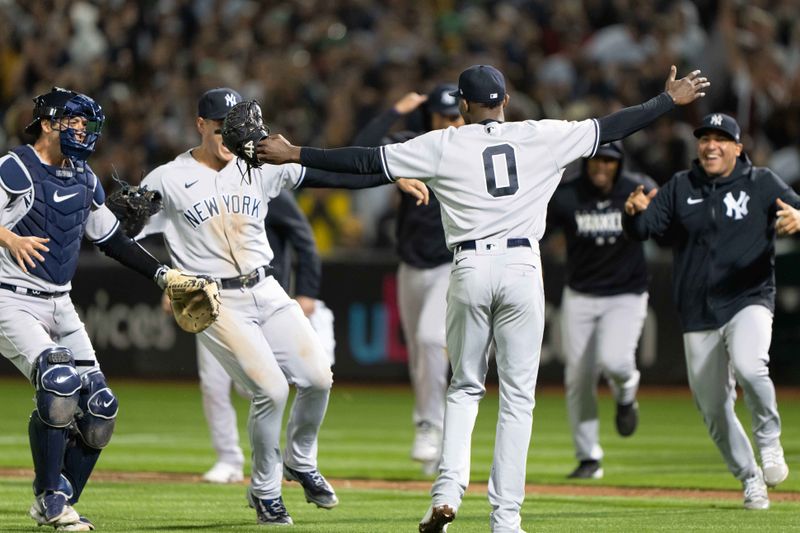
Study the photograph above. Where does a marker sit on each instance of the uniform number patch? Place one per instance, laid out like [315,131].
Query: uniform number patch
[500,167]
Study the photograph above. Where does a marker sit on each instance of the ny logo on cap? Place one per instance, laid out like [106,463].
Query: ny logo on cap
[716,120]
[230,99]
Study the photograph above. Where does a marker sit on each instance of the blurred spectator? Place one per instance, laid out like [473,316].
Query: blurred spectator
[322,68]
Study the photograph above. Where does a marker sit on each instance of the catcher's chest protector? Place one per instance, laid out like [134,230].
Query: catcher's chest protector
[58,208]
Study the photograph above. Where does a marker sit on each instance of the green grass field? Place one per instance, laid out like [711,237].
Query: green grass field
[367,435]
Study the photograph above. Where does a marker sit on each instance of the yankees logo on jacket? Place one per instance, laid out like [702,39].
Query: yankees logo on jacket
[723,259]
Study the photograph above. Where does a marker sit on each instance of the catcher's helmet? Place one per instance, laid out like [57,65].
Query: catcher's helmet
[60,103]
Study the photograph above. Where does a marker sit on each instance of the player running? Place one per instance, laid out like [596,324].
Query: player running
[604,302]
[213,224]
[722,216]
[493,180]
[50,198]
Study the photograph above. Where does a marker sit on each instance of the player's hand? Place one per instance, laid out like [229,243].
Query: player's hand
[638,201]
[166,305]
[26,249]
[409,103]
[788,221]
[415,188]
[307,304]
[276,150]
[686,90]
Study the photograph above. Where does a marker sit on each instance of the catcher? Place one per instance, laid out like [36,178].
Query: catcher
[50,198]
[213,222]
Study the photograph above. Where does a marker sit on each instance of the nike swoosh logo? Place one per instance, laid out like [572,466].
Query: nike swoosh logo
[58,199]
[187,185]
[460,259]
[692,201]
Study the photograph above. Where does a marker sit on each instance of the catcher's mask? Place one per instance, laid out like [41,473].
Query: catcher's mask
[61,103]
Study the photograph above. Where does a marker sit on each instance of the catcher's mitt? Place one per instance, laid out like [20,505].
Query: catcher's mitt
[133,206]
[242,129]
[194,299]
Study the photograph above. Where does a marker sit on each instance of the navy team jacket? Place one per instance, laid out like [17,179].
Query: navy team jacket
[723,236]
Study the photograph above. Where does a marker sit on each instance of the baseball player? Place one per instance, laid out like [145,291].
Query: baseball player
[286,226]
[50,198]
[493,180]
[604,302]
[213,223]
[722,215]
[422,275]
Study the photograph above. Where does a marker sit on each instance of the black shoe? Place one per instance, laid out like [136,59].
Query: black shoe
[627,418]
[587,470]
[318,490]
[270,511]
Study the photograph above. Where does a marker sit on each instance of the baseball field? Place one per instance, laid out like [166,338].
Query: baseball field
[667,477]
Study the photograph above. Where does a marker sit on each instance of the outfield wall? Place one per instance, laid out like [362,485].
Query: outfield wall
[135,339]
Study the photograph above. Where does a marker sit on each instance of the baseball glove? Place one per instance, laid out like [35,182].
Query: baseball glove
[133,206]
[194,300]
[242,129]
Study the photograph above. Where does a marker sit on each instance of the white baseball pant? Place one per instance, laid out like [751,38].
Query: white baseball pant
[497,293]
[215,386]
[264,342]
[599,335]
[719,358]
[30,325]
[422,299]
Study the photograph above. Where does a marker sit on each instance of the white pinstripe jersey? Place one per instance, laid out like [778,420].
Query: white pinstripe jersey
[494,179]
[213,222]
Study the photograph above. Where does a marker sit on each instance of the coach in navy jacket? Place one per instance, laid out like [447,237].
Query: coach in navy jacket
[723,233]
[722,216]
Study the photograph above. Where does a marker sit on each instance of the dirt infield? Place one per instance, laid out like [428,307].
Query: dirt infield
[480,488]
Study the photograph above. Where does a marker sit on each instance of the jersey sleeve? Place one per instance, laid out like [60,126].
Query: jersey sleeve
[416,158]
[101,224]
[274,178]
[568,141]
[156,223]
[775,188]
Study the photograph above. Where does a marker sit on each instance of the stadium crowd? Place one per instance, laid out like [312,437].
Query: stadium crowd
[322,69]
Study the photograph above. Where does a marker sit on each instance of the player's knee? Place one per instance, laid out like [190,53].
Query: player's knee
[98,414]
[276,392]
[57,386]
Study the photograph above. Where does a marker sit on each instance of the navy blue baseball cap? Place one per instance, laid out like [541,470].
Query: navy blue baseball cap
[720,122]
[481,83]
[216,103]
[442,101]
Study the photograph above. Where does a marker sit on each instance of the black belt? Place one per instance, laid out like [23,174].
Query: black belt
[245,281]
[510,243]
[32,292]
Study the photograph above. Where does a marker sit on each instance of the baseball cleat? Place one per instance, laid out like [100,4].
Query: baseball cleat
[318,490]
[755,492]
[84,524]
[587,470]
[269,511]
[427,443]
[224,473]
[774,465]
[437,519]
[627,418]
[52,509]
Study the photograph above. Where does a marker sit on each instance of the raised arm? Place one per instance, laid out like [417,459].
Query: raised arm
[631,119]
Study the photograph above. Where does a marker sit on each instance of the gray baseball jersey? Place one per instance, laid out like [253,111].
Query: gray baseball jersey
[493,181]
[213,224]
